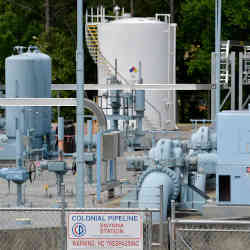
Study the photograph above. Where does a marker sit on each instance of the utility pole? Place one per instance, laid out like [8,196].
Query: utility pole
[80,163]
[47,16]
[217,52]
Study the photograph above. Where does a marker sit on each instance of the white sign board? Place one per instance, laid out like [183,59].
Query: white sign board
[114,231]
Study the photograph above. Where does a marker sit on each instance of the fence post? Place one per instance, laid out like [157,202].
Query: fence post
[146,231]
[63,224]
[172,240]
[161,217]
[150,231]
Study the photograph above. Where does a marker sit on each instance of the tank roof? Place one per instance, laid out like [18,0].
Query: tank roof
[135,20]
[29,55]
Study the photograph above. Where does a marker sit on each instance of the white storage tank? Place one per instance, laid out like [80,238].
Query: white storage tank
[151,42]
[28,75]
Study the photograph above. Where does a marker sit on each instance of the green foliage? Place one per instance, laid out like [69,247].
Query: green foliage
[196,32]
[22,22]
[17,27]
[60,47]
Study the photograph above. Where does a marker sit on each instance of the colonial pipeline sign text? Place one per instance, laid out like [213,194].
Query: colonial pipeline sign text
[105,230]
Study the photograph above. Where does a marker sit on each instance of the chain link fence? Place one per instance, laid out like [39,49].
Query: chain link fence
[197,234]
[30,229]
[48,229]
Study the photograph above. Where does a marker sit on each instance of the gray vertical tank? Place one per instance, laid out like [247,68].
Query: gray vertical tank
[28,75]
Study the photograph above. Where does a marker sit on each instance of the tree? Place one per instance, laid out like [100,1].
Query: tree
[18,24]
[196,33]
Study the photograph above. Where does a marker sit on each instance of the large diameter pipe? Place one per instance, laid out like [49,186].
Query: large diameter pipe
[149,193]
[80,189]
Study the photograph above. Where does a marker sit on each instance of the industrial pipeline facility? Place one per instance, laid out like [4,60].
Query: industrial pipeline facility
[137,142]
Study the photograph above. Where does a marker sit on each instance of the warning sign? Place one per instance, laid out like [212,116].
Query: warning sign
[105,231]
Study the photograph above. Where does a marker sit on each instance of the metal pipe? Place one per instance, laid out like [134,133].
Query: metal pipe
[172,235]
[212,222]
[217,51]
[80,189]
[59,182]
[90,134]
[35,209]
[240,80]
[55,154]
[19,163]
[139,108]
[98,166]
[161,217]
[63,222]
[233,87]
[143,210]
[60,138]
[149,227]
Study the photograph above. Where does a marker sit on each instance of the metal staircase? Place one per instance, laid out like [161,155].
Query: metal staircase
[92,41]
[224,63]
[91,34]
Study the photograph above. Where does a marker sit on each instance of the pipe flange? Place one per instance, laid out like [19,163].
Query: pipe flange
[169,172]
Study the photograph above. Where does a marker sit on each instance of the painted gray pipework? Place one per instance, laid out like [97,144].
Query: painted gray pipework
[80,165]
[90,135]
[139,108]
[115,100]
[60,137]
[59,168]
[116,105]
[19,164]
[217,51]
[148,186]
[60,128]
[191,161]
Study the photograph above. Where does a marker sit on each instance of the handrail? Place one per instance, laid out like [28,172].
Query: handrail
[156,110]
[107,62]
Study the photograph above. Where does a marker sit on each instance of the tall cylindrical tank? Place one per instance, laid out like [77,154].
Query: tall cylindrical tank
[28,75]
[151,42]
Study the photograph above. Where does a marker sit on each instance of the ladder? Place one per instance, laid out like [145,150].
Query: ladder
[246,65]
[92,41]
[91,34]
[224,63]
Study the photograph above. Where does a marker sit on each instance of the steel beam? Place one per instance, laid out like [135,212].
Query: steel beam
[17,102]
[182,86]
[178,86]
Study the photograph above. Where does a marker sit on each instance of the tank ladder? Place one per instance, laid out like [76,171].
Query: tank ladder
[224,63]
[246,67]
[92,41]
